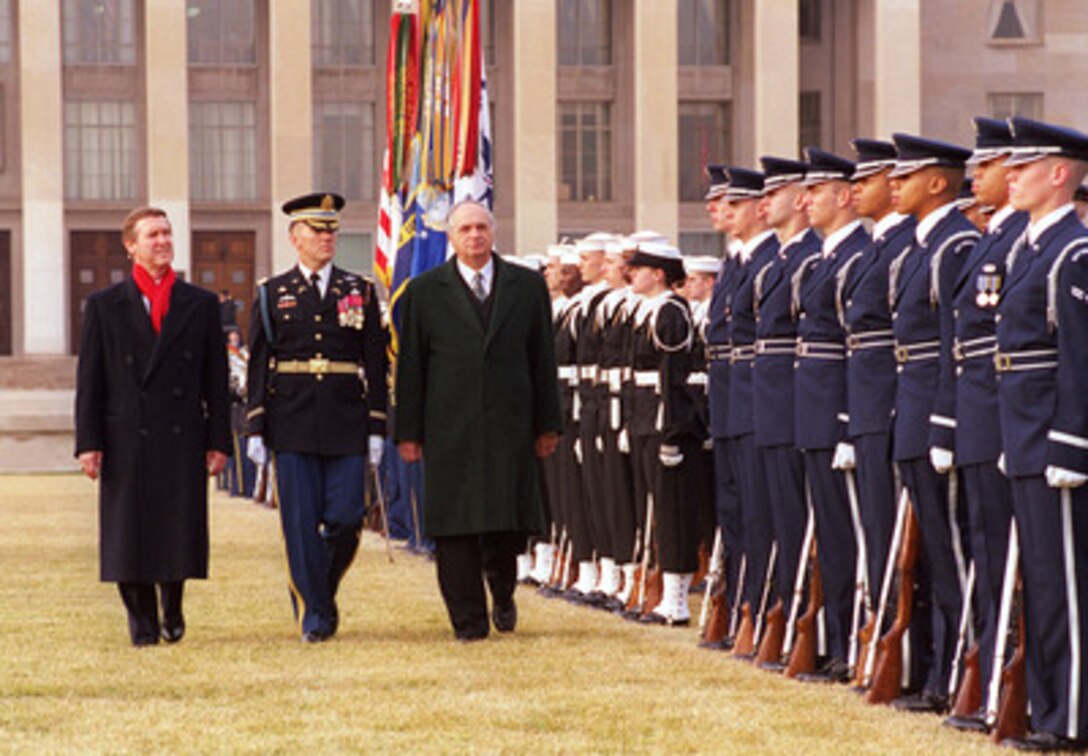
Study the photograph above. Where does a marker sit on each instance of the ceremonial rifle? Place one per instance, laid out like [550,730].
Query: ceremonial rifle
[734,613]
[967,694]
[863,600]
[713,578]
[747,640]
[867,662]
[887,677]
[802,658]
[799,583]
[1006,703]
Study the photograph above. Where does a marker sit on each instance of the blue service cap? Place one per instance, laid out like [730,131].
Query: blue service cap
[874,156]
[1035,140]
[717,181]
[826,166]
[778,172]
[915,153]
[743,184]
[993,138]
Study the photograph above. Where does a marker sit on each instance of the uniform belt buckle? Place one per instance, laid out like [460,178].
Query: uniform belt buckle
[902,354]
[319,365]
[853,342]
[1002,362]
[958,353]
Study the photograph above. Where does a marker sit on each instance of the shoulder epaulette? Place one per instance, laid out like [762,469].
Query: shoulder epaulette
[1052,279]
[797,280]
[840,285]
[957,239]
[894,269]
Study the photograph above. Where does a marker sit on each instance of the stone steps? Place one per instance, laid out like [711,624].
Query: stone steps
[37,429]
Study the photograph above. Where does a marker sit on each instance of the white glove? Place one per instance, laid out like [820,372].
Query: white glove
[255,450]
[578,450]
[844,458]
[623,443]
[377,447]
[941,459]
[1059,477]
[670,456]
[599,443]
[1001,464]
[708,445]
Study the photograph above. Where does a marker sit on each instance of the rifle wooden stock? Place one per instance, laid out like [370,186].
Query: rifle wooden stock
[557,565]
[799,580]
[647,545]
[969,696]
[260,488]
[632,597]
[734,613]
[865,647]
[655,586]
[768,579]
[888,675]
[770,645]
[717,623]
[745,643]
[1004,616]
[962,637]
[863,598]
[803,655]
[867,659]
[714,580]
[1012,711]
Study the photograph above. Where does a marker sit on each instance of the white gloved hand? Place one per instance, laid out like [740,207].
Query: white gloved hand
[708,445]
[599,443]
[844,458]
[941,459]
[377,448]
[623,443]
[578,450]
[255,450]
[670,456]
[1001,464]
[1060,477]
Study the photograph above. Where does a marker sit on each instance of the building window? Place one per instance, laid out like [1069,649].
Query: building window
[344,148]
[98,32]
[810,118]
[808,20]
[704,138]
[585,33]
[99,150]
[7,26]
[221,32]
[343,33]
[702,243]
[1007,104]
[1013,21]
[222,151]
[585,151]
[355,251]
[703,29]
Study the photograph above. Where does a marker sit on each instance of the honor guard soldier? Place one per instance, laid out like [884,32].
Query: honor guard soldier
[726,495]
[870,353]
[317,400]
[1041,362]
[978,428]
[925,182]
[820,394]
[772,371]
[744,199]
[663,425]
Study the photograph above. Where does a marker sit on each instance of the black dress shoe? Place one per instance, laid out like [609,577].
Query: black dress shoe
[773,666]
[505,616]
[834,671]
[145,640]
[725,644]
[975,722]
[471,637]
[925,702]
[173,631]
[315,636]
[1045,742]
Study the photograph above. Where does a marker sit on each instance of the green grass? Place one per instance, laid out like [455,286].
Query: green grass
[569,680]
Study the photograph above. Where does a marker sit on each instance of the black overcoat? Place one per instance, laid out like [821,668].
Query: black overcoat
[476,397]
[153,405]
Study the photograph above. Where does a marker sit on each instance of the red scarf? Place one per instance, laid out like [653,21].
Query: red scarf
[158,294]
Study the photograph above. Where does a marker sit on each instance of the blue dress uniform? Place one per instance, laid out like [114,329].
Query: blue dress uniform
[772,384]
[1041,363]
[921,282]
[870,364]
[821,408]
[978,429]
[317,389]
[747,468]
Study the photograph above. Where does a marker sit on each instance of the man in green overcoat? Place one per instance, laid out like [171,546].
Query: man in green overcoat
[477,398]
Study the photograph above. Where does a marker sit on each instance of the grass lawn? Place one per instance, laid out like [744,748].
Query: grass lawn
[569,680]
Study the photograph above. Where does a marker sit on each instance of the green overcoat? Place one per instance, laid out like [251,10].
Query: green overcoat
[476,398]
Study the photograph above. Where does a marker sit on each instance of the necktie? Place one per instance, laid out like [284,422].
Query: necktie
[478,286]
[315,282]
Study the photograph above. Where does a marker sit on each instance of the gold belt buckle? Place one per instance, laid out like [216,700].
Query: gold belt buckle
[319,365]
[1002,362]
[958,353]
[902,354]
[852,341]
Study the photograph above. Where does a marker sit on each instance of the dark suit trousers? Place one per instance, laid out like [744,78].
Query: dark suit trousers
[463,563]
[143,608]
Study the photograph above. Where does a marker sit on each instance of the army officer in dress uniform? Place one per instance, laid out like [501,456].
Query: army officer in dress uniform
[317,388]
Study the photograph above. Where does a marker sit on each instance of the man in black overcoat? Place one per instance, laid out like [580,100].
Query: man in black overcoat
[478,398]
[152,422]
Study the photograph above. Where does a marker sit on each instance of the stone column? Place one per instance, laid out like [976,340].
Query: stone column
[45,282]
[897,45]
[656,120]
[291,110]
[534,133]
[776,83]
[168,120]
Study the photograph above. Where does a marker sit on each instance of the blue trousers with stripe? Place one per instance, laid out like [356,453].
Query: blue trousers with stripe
[321,510]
